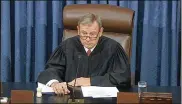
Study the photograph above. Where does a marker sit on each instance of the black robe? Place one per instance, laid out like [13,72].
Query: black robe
[107,65]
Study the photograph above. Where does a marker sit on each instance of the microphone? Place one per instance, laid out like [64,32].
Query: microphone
[73,100]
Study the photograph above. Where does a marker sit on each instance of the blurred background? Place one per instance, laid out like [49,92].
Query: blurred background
[31,30]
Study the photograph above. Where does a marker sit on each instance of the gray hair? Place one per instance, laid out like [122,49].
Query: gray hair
[89,19]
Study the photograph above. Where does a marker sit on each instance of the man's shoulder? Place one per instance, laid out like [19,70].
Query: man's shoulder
[108,41]
[70,41]
[109,44]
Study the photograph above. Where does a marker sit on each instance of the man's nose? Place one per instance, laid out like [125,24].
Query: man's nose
[88,39]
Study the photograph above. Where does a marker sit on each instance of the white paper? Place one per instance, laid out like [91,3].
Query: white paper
[45,89]
[97,92]
[4,100]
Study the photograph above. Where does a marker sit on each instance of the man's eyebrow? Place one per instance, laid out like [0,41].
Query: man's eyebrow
[83,31]
[93,32]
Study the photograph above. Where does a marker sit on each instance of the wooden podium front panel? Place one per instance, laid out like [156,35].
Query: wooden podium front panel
[22,96]
[127,98]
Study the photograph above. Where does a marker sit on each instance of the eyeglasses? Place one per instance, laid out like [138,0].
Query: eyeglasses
[91,37]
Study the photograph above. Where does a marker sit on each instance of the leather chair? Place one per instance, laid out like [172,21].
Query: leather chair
[117,22]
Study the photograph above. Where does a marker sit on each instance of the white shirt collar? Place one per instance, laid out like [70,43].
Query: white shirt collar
[86,49]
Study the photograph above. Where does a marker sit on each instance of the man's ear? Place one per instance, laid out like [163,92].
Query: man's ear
[101,31]
[78,30]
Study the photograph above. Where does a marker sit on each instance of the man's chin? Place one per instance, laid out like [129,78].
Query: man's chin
[89,47]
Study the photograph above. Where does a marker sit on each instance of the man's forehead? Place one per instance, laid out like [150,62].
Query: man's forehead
[89,27]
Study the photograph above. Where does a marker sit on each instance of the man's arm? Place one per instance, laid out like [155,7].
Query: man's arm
[55,68]
[51,82]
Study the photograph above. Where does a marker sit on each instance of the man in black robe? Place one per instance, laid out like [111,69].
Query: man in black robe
[101,61]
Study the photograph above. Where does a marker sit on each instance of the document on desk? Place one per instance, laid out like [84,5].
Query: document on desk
[99,92]
[45,89]
[3,99]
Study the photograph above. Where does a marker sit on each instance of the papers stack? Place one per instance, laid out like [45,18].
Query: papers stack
[99,92]
[4,100]
[46,89]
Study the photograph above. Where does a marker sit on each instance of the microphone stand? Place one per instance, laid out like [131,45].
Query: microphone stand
[1,88]
[73,100]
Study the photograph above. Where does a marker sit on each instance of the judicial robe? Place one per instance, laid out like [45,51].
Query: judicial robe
[107,65]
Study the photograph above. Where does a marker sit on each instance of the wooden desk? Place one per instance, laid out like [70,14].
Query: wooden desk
[7,87]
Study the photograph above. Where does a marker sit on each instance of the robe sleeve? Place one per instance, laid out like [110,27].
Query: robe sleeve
[55,67]
[118,71]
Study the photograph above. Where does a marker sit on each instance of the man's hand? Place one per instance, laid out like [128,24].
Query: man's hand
[80,82]
[60,88]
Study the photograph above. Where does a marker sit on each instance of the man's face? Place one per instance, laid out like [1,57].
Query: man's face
[89,34]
